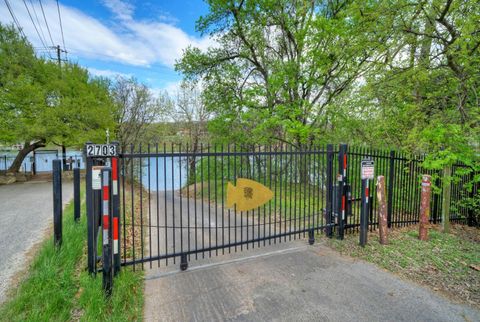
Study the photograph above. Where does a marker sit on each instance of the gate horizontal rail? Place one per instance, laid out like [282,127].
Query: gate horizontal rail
[213,248]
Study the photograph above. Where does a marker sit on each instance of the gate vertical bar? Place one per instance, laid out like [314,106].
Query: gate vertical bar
[329,197]
[391,180]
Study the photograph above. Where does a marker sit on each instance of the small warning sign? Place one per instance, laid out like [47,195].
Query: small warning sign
[367,169]
[96,179]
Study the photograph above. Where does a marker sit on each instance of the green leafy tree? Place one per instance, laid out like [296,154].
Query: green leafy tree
[279,65]
[42,104]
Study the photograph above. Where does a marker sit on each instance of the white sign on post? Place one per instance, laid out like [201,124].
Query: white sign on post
[367,169]
[96,179]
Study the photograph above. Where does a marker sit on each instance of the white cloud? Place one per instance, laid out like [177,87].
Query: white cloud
[125,39]
[106,73]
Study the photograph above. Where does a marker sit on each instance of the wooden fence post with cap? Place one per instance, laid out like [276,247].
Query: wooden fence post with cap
[382,211]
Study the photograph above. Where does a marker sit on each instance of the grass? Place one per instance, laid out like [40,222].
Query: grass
[57,287]
[446,262]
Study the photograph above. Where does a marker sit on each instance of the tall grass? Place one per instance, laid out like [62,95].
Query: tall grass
[57,286]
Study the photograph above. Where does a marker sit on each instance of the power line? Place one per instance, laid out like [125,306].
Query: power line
[14,18]
[35,26]
[45,18]
[38,20]
[61,26]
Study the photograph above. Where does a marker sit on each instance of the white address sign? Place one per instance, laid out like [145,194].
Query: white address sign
[102,150]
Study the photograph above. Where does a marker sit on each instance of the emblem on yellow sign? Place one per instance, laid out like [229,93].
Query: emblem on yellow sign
[247,194]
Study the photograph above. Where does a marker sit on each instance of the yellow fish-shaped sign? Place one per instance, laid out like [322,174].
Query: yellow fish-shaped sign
[247,195]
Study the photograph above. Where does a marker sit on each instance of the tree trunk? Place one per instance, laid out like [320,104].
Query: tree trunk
[27,148]
[302,163]
[192,163]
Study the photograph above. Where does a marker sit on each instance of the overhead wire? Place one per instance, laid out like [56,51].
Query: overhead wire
[35,26]
[38,20]
[61,27]
[46,23]
[15,20]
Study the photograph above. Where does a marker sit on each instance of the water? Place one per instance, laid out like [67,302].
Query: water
[43,160]
[168,175]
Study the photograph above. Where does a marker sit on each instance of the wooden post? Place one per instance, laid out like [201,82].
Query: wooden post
[447,171]
[425,206]
[382,210]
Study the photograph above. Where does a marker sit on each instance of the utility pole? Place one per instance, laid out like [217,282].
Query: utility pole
[58,57]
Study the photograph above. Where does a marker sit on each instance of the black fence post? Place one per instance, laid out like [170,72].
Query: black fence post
[329,197]
[391,180]
[90,215]
[76,193]
[57,202]
[342,191]
[107,219]
[364,212]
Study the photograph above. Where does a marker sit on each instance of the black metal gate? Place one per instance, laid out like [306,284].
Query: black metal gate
[174,199]
[170,202]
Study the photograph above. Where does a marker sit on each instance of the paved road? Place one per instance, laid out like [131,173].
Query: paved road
[284,282]
[25,216]
[293,282]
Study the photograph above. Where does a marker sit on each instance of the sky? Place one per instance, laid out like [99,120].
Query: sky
[109,37]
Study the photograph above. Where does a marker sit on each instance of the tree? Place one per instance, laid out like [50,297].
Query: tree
[135,110]
[191,112]
[279,65]
[41,104]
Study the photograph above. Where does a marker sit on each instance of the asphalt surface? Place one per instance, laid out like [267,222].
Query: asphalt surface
[26,214]
[287,281]
[292,282]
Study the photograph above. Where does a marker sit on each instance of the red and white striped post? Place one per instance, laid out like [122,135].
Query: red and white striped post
[116,215]
[107,230]
[364,212]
